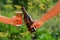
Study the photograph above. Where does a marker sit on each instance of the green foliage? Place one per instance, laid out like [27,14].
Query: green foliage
[36,9]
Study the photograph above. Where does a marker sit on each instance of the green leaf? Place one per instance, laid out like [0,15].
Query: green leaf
[43,1]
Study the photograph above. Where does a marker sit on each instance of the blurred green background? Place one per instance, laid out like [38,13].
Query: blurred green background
[36,9]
